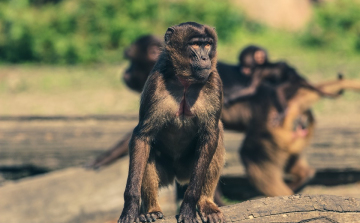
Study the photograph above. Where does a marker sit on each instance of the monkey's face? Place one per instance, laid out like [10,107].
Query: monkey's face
[192,50]
[251,57]
[260,57]
[199,49]
[143,54]
[136,74]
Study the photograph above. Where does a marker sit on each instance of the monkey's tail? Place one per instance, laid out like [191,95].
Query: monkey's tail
[121,149]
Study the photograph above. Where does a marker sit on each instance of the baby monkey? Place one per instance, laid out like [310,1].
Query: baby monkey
[179,134]
[284,79]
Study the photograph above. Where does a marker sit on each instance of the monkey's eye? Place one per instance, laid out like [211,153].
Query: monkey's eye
[195,45]
[207,46]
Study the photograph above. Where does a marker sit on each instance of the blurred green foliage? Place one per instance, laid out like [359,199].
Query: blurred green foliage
[336,25]
[88,31]
[85,31]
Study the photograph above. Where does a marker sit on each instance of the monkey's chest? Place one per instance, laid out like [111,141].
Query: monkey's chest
[182,103]
[184,108]
[178,138]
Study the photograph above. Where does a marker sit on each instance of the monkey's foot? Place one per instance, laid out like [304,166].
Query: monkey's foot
[188,214]
[151,216]
[129,219]
[210,213]
[130,214]
[299,185]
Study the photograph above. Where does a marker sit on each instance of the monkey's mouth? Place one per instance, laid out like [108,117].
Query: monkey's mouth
[184,108]
[201,69]
[300,131]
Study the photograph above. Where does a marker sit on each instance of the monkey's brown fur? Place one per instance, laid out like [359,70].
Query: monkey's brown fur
[179,134]
[268,150]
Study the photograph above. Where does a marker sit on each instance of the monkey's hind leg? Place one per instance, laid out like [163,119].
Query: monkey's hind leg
[208,210]
[267,178]
[302,172]
[155,175]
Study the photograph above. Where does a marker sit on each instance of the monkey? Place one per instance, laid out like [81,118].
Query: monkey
[234,117]
[179,134]
[268,151]
[264,157]
[143,54]
[252,56]
[255,63]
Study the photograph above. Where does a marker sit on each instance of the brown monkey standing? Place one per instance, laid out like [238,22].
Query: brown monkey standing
[179,134]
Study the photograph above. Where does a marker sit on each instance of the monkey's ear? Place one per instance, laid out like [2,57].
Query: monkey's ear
[168,34]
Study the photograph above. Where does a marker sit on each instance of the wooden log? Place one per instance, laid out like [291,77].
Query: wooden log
[295,208]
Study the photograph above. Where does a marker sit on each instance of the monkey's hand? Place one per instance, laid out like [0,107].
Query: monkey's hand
[210,213]
[130,214]
[188,213]
[152,216]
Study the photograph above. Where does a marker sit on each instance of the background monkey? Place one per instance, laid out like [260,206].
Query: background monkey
[143,54]
[252,56]
[268,151]
[254,62]
[179,134]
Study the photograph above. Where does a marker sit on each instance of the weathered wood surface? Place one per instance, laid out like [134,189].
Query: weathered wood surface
[59,143]
[296,208]
[75,195]
[26,118]
[72,194]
